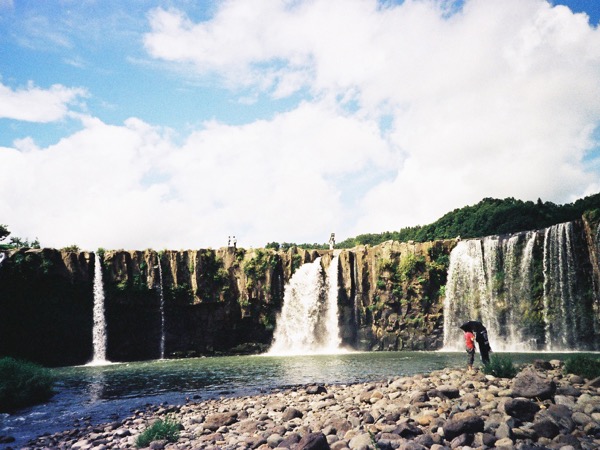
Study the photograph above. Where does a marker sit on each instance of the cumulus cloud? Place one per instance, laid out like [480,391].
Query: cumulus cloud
[490,99]
[132,186]
[34,104]
[407,111]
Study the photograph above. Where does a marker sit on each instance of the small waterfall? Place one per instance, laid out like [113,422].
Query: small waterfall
[2,258]
[332,328]
[99,328]
[162,310]
[559,279]
[308,321]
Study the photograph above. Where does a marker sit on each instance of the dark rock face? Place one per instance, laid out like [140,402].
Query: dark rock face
[225,301]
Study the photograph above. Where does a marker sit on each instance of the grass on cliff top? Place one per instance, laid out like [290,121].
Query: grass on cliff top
[23,383]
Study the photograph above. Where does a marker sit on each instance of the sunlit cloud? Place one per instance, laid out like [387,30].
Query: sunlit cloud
[34,104]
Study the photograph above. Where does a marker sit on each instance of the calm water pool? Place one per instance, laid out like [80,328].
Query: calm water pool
[109,393]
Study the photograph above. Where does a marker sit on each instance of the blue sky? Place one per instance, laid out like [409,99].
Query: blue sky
[173,124]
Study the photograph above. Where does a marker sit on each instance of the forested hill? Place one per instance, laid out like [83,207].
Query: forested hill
[488,217]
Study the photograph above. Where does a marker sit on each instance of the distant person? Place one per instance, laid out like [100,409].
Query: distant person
[331,241]
[470,345]
[484,345]
[234,243]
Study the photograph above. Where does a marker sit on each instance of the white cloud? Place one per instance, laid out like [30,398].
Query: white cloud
[408,112]
[34,104]
[131,186]
[498,99]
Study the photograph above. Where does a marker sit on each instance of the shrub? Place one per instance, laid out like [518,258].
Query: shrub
[500,366]
[23,383]
[583,365]
[161,429]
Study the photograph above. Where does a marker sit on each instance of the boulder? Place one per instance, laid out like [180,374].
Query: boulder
[521,408]
[455,427]
[530,384]
[316,389]
[546,428]
[291,413]
[313,441]
[218,420]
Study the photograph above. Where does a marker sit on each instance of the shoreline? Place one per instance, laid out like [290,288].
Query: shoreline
[447,408]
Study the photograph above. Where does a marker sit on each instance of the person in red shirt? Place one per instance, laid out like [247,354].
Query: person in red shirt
[470,344]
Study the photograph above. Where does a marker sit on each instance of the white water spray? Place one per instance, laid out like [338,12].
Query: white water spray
[162,311]
[558,287]
[308,322]
[99,328]
[2,257]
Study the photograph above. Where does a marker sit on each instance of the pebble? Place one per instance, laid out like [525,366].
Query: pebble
[449,408]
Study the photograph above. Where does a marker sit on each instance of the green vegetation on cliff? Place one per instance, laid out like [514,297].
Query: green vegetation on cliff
[488,217]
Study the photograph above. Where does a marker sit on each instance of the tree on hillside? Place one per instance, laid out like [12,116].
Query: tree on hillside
[4,233]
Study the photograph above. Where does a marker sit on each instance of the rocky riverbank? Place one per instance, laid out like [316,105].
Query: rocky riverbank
[453,408]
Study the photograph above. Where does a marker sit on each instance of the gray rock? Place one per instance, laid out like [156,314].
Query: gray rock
[546,428]
[521,408]
[215,421]
[360,441]
[455,427]
[289,441]
[313,441]
[291,413]
[530,384]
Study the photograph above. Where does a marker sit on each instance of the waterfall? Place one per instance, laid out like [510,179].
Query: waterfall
[332,329]
[308,322]
[489,280]
[526,290]
[162,310]
[99,328]
[2,257]
[559,279]
[465,286]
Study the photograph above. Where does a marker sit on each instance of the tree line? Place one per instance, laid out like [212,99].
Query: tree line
[488,217]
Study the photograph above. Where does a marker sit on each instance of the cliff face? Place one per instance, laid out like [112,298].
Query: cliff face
[194,302]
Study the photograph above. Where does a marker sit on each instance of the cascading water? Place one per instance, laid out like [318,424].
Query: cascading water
[528,299]
[99,328]
[308,323]
[162,311]
[559,302]
[489,280]
[332,328]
